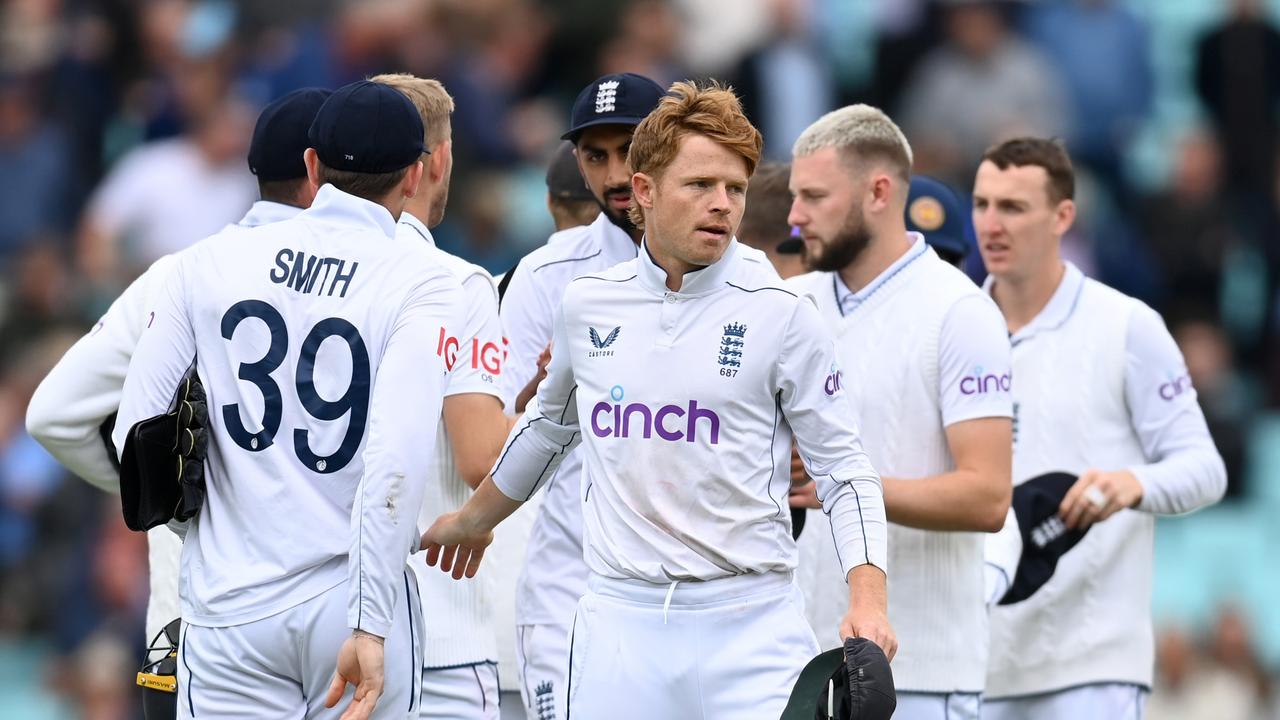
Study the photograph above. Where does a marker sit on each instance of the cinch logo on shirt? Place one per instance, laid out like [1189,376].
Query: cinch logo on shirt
[669,422]
[834,381]
[1175,387]
[980,384]
[489,355]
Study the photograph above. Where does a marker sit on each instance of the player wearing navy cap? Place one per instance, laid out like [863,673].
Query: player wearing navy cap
[936,211]
[555,576]
[82,391]
[932,401]
[316,338]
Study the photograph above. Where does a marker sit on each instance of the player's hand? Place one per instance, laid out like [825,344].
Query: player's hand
[868,614]
[805,496]
[798,475]
[531,389]
[871,623]
[359,663]
[1097,495]
[455,545]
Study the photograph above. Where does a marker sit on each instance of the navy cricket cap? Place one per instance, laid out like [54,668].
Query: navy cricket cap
[564,179]
[618,99]
[280,135]
[367,127]
[855,677]
[1045,537]
[935,211]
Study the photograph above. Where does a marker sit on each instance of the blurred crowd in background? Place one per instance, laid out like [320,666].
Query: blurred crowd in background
[124,126]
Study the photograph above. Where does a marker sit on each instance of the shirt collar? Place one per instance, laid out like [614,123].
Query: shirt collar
[615,244]
[265,212]
[1059,308]
[699,282]
[411,220]
[848,300]
[334,206]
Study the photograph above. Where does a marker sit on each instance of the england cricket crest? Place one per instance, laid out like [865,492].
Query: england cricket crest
[731,345]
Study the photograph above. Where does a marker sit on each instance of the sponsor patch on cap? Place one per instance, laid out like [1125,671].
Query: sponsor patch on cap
[927,213]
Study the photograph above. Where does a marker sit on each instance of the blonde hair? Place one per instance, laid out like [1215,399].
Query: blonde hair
[858,132]
[713,111]
[433,102]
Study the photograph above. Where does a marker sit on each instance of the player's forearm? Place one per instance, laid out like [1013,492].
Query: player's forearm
[961,500]
[1186,480]
[487,507]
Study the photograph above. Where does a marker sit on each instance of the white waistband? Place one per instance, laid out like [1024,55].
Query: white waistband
[684,593]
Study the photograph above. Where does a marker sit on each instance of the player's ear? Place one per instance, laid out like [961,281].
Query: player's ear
[438,161]
[642,186]
[312,161]
[412,179]
[1063,217]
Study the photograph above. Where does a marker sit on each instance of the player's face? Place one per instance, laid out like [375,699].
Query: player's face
[827,209]
[602,158]
[1017,224]
[694,206]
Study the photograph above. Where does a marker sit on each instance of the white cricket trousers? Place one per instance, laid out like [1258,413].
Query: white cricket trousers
[281,666]
[1112,701]
[542,659]
[464,692]
[728,649]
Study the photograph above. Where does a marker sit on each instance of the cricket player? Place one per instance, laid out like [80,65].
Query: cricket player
[81,394]
[684,374]
[459,661]
[316,339]
[1100,392]
[554,576]
[932,401]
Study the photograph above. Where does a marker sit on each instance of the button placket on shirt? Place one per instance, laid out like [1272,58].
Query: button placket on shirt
[668,318]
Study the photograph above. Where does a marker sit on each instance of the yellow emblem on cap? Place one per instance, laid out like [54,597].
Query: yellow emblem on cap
[926,213]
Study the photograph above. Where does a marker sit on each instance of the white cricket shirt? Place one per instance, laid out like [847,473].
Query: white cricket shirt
[83,389]
[457,614]
[922,348]
[685,403]
[1099,384]
[316,339]
[554,575]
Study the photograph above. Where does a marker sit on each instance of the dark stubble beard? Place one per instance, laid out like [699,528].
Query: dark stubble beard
[623,220]
[844,248]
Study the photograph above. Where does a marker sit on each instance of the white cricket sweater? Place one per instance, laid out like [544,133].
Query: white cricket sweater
[922,348]
[1099,383]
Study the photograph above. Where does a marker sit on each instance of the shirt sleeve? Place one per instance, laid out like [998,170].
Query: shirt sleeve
[408,392]
[166,348]
[70,405]
[547,431]
[527,319]
[1184,471]
[478,366]
[975,370]
[819,414]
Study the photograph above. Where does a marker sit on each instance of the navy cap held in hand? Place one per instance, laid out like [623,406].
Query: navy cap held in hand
[367,127]
[1045,537]
[618,99]
[280,135]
